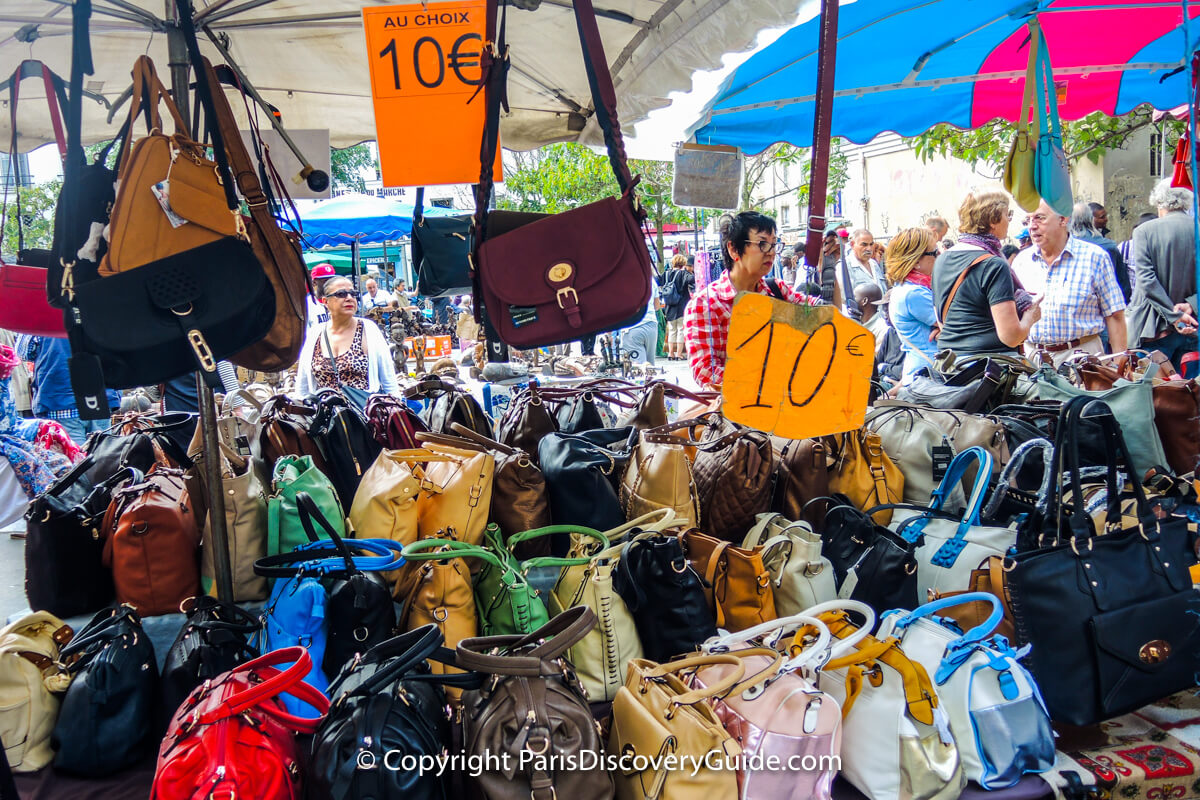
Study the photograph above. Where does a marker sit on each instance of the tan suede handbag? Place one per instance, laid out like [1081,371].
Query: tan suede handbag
[656,715]
[743,594]
[31,682]
[659,475]
[863,472]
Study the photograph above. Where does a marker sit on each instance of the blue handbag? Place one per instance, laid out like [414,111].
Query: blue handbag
[295,615]
[1050,172]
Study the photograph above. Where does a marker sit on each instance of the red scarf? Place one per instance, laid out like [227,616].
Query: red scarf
[920,278]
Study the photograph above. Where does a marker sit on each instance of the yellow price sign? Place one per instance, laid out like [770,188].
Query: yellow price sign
[796,371]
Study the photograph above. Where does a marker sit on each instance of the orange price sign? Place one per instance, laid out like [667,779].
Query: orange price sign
[796,371]
[425,71]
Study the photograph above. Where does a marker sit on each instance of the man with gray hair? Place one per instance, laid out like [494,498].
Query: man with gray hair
[861,263]
[1162,313]
[1082,226]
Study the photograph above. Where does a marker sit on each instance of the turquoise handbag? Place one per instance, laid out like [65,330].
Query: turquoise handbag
[1050,172]
[292,475]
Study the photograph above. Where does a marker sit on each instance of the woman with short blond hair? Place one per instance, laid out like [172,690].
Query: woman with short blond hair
[910,257]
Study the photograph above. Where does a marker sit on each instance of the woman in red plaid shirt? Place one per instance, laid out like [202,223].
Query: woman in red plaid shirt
[748,245]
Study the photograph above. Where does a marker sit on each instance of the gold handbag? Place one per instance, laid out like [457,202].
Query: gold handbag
[863,472]
[659,475]
[31,680]
[743,594]
[439,592]
[656,715]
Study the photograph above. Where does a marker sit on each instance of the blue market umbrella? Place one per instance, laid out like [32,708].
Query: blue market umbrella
[907,65]
[367,218]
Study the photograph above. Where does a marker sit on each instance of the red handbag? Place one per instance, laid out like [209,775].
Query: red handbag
[232,737]
[23,304]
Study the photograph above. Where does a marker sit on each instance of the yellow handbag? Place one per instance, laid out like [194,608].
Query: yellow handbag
[863,472]
[31,680]
[439,593]
[656,715]
[1022,156]
[659,475]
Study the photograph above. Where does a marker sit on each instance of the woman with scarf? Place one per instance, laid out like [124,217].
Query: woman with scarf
[979,303]
[38,451]
[910,257]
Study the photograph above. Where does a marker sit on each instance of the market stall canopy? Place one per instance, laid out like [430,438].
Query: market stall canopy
[308,58]
[907,65]
[344,265]
[364,217]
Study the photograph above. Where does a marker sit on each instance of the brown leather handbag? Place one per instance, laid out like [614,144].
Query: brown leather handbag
[659,475]
[741,591]
[534,704]
[283,431]
[526,422]
[152,543]
[733,472]
[863,472]
[801,473]
[438,592]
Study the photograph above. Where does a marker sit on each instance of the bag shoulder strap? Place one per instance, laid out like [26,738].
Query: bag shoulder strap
[555,637]
[773,285]
[958,282]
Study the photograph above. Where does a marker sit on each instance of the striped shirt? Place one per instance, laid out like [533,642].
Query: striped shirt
[1079,290]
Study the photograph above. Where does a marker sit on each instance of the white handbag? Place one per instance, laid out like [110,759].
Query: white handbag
[898,743]
[996,712]
[31,685]
[950,548]
[791,552]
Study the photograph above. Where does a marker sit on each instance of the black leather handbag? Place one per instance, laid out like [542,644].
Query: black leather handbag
[583,473]
[341,431]
[389,697]
[109,718]
[441,250]
[968,390]
[578,414]
[665,595]
[64,549]
[879,565]
[1112,616]
[214,639]
[446,404]
[136,442]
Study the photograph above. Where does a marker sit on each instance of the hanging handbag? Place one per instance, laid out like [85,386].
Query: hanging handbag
[665,595]
[446,404]
[791,552]
[559,278]
[213,640]
[32,680]
[659,475]
[1019,180]
[394,425]
[891,709]
[293,475]
[236,737]
[113,697]
[582,474]
[441,251]
[1051,174]
[1000,723]
[245,529]
[340,430]
[655,714]
[388,697]
[865,473]
[870,562]
[1109,617]
[532,704]
[740,587]
[152,543]
[733,470]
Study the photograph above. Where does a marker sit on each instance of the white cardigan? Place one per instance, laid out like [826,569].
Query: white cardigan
[381,372]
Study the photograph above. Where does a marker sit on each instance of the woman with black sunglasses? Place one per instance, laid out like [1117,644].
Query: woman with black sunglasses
[347,352]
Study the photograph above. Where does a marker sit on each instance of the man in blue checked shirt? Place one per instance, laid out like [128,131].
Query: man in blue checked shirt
[1080,294]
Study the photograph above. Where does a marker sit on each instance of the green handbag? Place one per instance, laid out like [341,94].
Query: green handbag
[542,572]
[292,475]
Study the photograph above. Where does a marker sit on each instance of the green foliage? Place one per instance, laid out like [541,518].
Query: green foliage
[37,216]
[346,166]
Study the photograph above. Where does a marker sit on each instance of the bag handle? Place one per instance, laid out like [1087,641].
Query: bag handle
[446,549]
[248,397]
[954,475]
[773,631]
[660,519]
[1009,474]
[1031,77]
[694,696]
[277,682]
[556,637]
[400,655]
[974,635]
[1047,102]
[557,561]
[761,533]
[106,625]
[483,441]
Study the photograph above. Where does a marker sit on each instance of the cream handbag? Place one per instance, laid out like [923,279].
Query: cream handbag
[246,527]
[31,680]
[791,552]
[655,715]
[659,475]
[600,657]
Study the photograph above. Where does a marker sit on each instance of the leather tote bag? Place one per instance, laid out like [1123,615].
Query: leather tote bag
[438,592]
[892,711]
[394,425]
[152,543]
[441,252]
[214,639]
[1108,615]
[665,595]
[446,404]
[659,475]
[865,473]
[236,736]
[245,526]
[801,473]
[1050,171]
[340,430]
[582,473]
[527,420]
[283,431]
[740,585]
[562,277]
[949,549]
[870,562]
[1019,180]
[733,472]
[791,552]
[1000,723]
[32,680]
[113,697]
[532,702]
[656,712]
[293,475]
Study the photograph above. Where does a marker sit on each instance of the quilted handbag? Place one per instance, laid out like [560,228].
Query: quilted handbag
[1019,165]
[32,680]
[1000,723]
[733,472]
[800,576]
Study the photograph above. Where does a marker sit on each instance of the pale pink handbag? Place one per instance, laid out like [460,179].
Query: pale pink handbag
[777,714]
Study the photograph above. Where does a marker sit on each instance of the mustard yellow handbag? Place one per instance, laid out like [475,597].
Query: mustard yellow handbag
[1022,156]
[863,472]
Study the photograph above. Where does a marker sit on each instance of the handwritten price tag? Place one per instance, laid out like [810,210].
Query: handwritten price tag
[796,371]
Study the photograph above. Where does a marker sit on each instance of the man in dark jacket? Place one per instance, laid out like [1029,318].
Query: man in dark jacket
[1082,227]
[677,287]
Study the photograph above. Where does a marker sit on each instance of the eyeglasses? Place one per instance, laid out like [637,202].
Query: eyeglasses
[341,294]
[930,253]
[1010,214]
[765,247]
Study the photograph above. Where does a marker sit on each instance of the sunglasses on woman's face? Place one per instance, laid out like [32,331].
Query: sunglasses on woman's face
[341,294]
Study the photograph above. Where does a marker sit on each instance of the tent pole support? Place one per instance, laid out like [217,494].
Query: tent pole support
[822,125]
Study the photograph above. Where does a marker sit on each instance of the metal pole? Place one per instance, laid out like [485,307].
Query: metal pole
[178,61]
[822,126]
